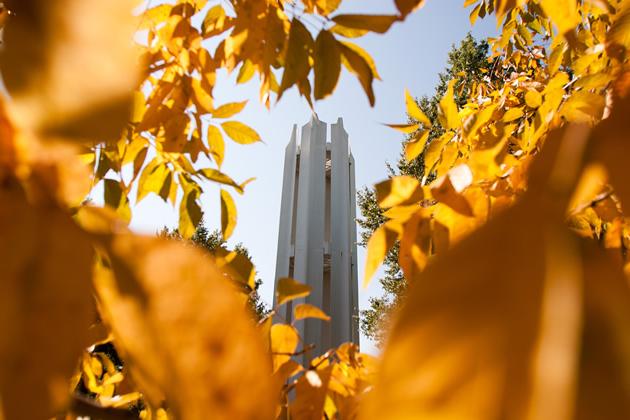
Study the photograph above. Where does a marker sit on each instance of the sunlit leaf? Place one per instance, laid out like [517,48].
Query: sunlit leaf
[415,146]
[228,110]
[240,132]
[288,289]
[448,114]
[228,214]
[304,310]
[533,99]
[398,191]
[405,128]
[414,111]
[379,244]
[563,13]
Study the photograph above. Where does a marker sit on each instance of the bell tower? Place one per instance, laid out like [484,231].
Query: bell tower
[317,235]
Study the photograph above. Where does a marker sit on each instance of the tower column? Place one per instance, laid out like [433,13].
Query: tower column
[341,297]
[309,226]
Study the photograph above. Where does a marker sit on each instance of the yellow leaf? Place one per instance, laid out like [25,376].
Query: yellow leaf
[407,6]
[203,99]
[216,143]
[610,147]
[162,297]
[304,310]
[496,325]
[240,132]
[228,110]
[583,107]
[415,246]
[326,7]
[348,32]
[289,289]
[296,61]
[151,180]
[218,176]
[533,98]
[116,198]
[618,37]
[284,341]
[189,213]
[67,72]
[563,13]
[474,14]
[477,120]
[374,23]
[45,304]
[444,191]
[414,111]
[434,151]
[155,16]
[378,245]
[364,54]
[415,146]
[311,389]
[214,21]
[228,214]
[513,114]
[447,110]
[238,266]
[327,66]
[405,128]
[139,107]
[246,72]
[398,191]
[357,64]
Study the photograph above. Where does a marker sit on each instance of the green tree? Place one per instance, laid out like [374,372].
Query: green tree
[469,63]
[210,241]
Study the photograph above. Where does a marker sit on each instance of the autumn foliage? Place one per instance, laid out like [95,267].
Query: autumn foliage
[514,242]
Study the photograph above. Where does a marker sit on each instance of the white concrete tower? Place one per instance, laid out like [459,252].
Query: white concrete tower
[317,236]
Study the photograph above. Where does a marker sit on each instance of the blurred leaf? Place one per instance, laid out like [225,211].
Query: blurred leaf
[299,48]
[46,42]
[327,66]
[288,289]
[167,305]
[284,341]
[304,310]
[374,23]
[45,305]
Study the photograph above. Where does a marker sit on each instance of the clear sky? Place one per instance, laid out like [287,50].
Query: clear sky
[409,56]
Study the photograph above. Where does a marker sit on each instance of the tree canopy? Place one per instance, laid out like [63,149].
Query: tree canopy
[468,63]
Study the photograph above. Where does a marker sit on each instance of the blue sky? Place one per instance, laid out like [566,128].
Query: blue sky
[409,56]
